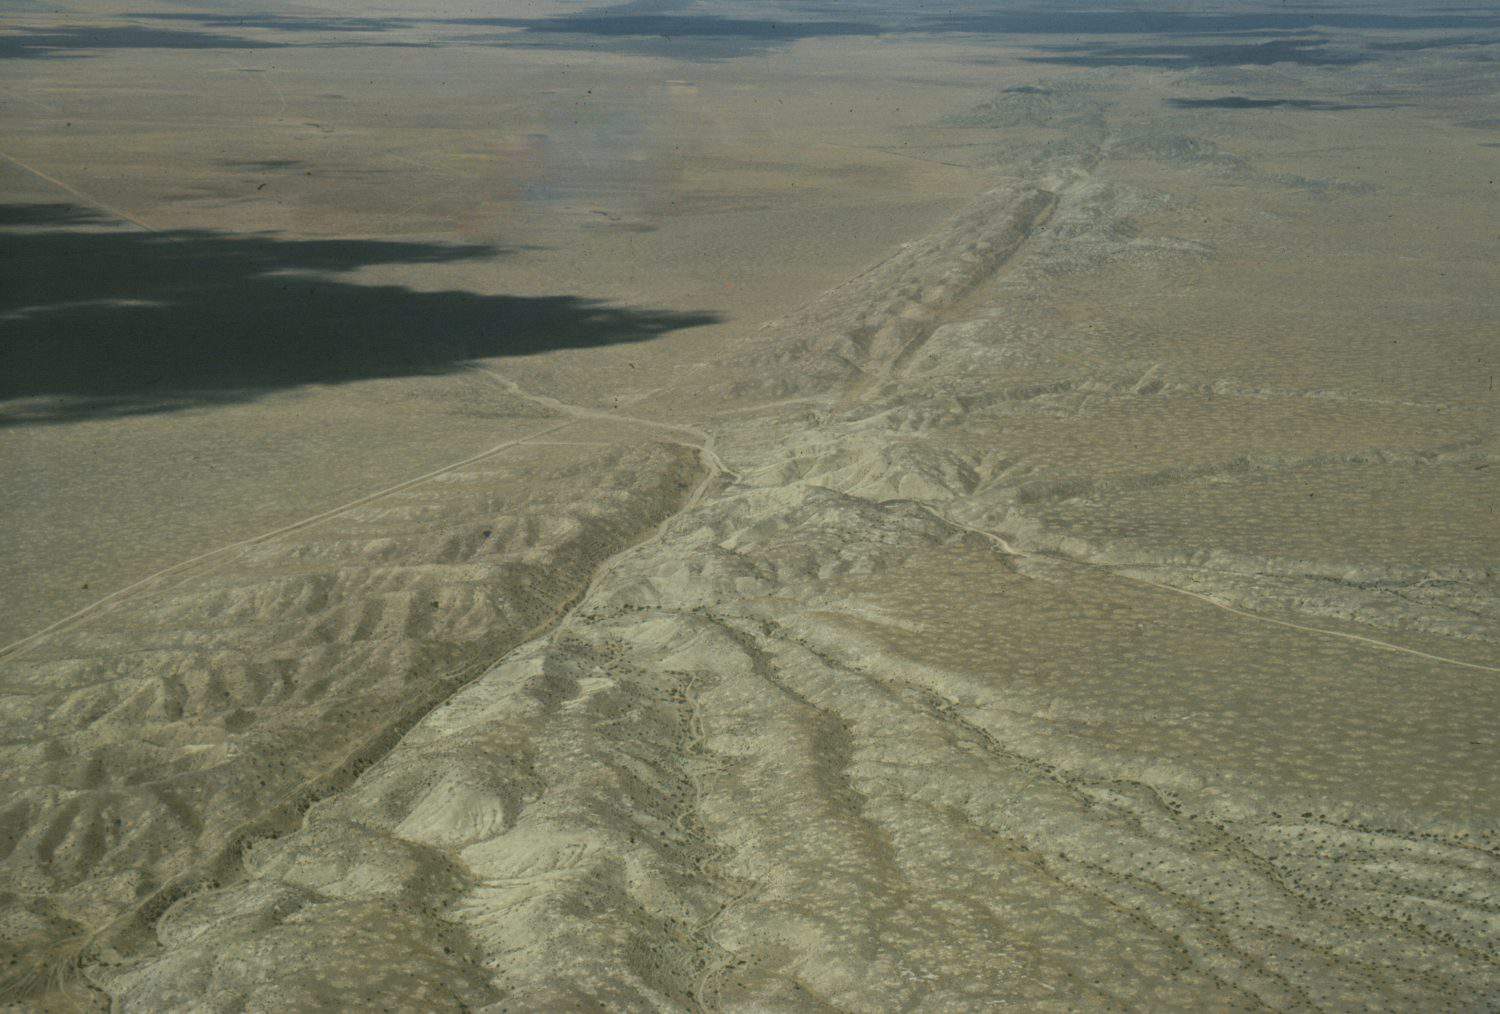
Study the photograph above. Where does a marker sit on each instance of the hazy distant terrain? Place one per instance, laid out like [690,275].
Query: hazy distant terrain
[752,506]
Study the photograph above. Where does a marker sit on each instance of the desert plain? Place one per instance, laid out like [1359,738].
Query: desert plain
[749,505]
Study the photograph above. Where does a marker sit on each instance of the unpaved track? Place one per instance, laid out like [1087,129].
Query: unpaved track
[87,199]
[1010,550]
[150,581]
[54,972]
[343,597]
[808,741]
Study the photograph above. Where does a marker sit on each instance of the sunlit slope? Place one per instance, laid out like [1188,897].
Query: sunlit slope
[889,717]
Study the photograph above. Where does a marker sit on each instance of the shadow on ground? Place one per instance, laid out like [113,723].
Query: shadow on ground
[1240,102]
[37,44]
[1307,52]
[680,29]
[98,321]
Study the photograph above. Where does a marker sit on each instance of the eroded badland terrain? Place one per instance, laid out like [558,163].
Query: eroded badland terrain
[746,506]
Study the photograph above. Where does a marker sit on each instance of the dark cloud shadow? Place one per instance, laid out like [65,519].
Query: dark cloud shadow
[679,29]
[264,165]
[1183,23]
[678,26]
[1442,42]
[703,37]
[77,41]
[641,27]
[285,22]
[1314,52]
[1240,102]
[98,321]
[54,215]
[32,44]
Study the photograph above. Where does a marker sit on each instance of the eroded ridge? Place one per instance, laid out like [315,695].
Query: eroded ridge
[758,801]
[200,715]
[863,329]
[910,709]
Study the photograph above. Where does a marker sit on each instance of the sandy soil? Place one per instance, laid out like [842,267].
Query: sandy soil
[1084,599]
